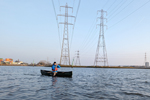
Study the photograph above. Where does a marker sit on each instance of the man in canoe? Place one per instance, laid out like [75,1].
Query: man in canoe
[55,68]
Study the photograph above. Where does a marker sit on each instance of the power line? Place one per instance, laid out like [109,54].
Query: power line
[121,10]
[90,48]
[105,4]
[71,22]
[77,10]
[84,45]
[87,39]
[57,23]
[118,8]
[60,27]
[73,3]
[115,7]
[54,9]
[84,42]
[93,38]
[59,3]
[111,5]
[86,50]
[130,14]
[94,26]
[74,23]
[89,32]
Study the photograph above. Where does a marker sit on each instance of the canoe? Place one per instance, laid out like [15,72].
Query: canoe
[59,73]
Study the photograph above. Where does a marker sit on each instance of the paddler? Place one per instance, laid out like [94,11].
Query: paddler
[55,68]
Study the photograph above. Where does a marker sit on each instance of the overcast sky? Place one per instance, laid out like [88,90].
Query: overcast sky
[28,30]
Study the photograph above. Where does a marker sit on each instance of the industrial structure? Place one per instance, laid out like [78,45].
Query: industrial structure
[9,61]
[146,63]
[1,59]
[6,61]
[78,59]
[65,52]
[101,54]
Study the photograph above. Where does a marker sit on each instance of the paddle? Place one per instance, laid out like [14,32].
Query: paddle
[55,70]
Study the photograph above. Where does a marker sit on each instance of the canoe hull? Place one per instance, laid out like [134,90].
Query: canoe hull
[59,73]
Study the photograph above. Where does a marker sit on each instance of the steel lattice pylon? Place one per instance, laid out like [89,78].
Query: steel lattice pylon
[65,52]
[101,53]
[78,59]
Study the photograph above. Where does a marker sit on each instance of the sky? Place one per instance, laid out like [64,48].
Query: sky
[29,30]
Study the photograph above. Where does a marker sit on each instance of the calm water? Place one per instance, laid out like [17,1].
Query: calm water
[18,83]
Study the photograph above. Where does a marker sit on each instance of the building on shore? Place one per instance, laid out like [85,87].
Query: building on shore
[1,59]
[146,64]
[8,60]
[18,62]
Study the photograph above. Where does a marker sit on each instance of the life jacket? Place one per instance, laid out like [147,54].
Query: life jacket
[55,69]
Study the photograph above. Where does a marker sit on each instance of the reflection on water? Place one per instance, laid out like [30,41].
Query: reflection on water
[86,84]
[54,80]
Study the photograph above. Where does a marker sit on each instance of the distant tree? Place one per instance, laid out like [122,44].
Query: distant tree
[42,63]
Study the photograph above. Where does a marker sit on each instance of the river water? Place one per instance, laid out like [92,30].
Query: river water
[26,83]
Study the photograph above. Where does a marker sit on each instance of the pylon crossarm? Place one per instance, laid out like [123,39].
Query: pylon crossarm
[66,23]
[66,7]
[65,15]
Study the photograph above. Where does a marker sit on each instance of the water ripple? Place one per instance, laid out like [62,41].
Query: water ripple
[86,84]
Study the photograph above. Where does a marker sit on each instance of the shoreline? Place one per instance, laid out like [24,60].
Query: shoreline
[123,67]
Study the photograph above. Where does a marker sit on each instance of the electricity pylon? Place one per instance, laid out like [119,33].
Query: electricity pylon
[78,58]
[145,58]
[101,53]
[65,53]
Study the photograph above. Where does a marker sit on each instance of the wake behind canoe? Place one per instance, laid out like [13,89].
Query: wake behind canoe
[59,73]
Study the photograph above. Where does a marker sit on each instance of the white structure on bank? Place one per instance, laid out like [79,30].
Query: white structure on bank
[146,63]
